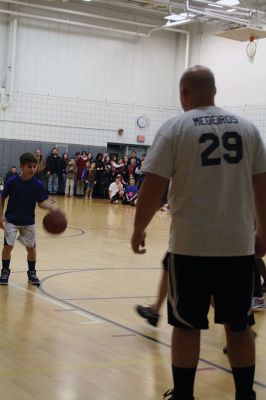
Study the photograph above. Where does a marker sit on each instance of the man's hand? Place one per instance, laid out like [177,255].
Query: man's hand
[2,222]
[138,242]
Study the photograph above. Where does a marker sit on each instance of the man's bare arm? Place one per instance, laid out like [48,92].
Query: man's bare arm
[259,189]
[151,192]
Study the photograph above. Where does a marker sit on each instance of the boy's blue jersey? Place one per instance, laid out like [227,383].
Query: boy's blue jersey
[23,196]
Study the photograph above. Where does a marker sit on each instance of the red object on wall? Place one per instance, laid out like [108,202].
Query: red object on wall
[120,131]
[141,138]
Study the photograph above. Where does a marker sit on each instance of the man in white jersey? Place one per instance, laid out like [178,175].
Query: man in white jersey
[216,164]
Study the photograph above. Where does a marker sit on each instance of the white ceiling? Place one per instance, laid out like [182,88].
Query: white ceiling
[143,16]
[160,8]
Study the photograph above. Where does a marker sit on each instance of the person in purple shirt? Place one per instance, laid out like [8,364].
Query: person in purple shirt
[23,192]
[131,193]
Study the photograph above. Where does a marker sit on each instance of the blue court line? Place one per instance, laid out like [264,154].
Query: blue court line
[260,384]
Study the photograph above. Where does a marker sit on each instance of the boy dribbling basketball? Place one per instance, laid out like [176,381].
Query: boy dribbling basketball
[23,192]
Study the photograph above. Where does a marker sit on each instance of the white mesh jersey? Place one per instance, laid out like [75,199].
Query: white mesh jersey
[210,156]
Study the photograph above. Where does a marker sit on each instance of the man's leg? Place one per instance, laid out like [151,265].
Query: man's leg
[241,352]
[50,183]
[185,356]
[162,292]
[55,183]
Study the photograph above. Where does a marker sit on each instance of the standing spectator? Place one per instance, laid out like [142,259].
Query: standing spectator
[71,172]
[134,156]
[80,162]
[85,174]
[40,165]
[125,173]
[12,172]
[53,169]
[91,180]
[217,188]
[139,174]
[143,157]
[116,168]
[106,175]
[63,175]
[132,167]
[99,188]
[90,157]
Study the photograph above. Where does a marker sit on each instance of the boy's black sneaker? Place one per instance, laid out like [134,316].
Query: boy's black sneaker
[4,276]
[33,279]
[169,395]
[252,396]
[149,314]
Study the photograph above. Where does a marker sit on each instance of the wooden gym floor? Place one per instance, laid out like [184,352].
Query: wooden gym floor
[77,337]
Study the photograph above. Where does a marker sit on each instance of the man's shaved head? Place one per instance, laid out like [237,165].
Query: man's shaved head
[197,87]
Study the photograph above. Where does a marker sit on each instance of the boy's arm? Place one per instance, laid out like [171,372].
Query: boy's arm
[2,218]
[46,205]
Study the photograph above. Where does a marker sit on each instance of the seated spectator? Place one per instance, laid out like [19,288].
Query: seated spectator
[12,172]
[116,190]
[131,193]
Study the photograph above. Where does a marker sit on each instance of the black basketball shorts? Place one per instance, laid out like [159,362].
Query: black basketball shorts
[192,282]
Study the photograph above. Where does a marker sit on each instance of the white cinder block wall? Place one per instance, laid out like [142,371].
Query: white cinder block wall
[79,86]
[76,86]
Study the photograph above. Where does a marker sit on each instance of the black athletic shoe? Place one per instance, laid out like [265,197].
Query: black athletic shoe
[147,313]
[33,279]
[4,276]
[168,395]
[251,397]
[263,287]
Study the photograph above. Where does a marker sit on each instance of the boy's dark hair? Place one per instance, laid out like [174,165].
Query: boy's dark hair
[27,158]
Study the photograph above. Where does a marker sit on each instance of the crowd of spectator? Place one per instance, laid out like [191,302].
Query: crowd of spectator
[83,175]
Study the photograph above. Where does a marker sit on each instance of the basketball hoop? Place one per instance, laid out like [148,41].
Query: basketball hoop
[251,48]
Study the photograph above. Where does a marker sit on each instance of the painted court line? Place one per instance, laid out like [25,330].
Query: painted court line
[68,304]
[58,303]
[93,320]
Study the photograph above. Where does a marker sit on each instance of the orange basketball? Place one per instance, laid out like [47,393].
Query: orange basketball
[55,222]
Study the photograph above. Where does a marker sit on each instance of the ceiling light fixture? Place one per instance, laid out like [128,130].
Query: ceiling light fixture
[228,2]
[176,23]
[215,5]
[179,17]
